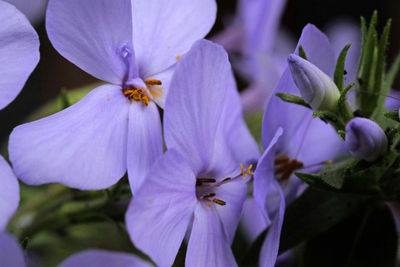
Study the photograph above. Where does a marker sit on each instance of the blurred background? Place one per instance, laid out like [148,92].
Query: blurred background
[55,73]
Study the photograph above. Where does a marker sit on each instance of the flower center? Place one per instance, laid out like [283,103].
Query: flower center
[206,187]
[144,92]
[285,167]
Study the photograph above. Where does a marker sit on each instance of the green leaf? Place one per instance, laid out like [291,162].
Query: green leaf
[314,212]
[293,99]
[393,115]
[302,53]
[338,76]
[344,109]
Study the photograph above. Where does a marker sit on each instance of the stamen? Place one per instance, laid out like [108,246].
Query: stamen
[286,167]
[219,201]
[136,94]
[153,82]
[247,171]
[208,196]
[178,57]
[208,204]
[206,180]
[326,162]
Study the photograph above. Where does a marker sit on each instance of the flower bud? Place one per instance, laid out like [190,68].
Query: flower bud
[316,88]
[365,139]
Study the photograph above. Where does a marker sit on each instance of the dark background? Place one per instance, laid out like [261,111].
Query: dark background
[54,72]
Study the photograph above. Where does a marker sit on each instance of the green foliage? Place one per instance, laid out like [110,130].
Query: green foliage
[338,76]
[294,99]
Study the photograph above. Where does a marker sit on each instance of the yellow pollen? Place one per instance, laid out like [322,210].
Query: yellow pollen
[247,171]
[153,82]
[135,94]
[178,57]
[208,204]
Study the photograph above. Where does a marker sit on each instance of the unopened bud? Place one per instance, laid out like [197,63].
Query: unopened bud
[365,139]
[317,88]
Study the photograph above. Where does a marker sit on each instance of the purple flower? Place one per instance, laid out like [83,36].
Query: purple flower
[294,141]
[316,87]
[19,52]
[33,10]
[132,45]
[11,253]
[365,139]
[263,48]
[197,184]
[100,258]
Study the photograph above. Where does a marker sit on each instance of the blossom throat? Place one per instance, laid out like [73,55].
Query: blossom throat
[151,91]
[205,186]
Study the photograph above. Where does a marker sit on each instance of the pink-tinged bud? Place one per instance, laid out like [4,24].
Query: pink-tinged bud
[365,139]
[316,88]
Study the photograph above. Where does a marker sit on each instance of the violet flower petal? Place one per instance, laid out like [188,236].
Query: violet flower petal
[208,244]
[270,248]
[341,33]
[10,252]
[33,10]
[145,143]
[102,258]
[19,52]
[83,146]
[195,104]
[9,193]
[253,221]
[159,214]
[321,54]
[95,35]
[164,29]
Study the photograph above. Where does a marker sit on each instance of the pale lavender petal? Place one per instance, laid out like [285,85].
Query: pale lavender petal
[270,248]
[253,222]
[208,244]
[164,29]
[95,35]
[234,194]
[145,142]
[83,146]
[33,10]
[260,20]
[102,258]
[195,103]
[289,116]
[9,193]
[161,211]
[165,77]
[318,143]
[264,174]
[11,254]
[342,32]
[19,52]
[393,100]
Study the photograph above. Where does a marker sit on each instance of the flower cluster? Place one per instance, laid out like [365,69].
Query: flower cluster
[169,114]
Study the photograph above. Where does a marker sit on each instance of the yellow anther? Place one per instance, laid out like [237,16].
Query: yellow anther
[178,57]
[208,204]
[137,95]
[247,171]
[153,82]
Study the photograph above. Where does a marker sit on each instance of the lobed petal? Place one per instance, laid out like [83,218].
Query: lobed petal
[11,253]
[83,146]
[160,212]
[19,52]
[95,35]
[102,258]
[208,244]
[164,29]
[145,143]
